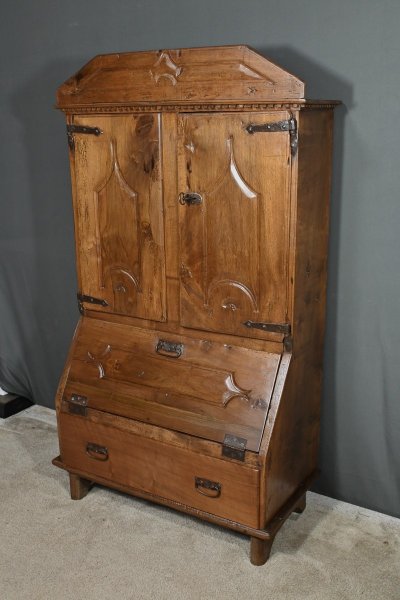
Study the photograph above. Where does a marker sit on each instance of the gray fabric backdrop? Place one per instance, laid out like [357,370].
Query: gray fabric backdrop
[345,49]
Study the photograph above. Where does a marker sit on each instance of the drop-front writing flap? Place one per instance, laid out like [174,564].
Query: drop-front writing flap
[195,386]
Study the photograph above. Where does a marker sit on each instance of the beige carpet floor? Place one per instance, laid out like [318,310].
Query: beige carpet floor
[111,546]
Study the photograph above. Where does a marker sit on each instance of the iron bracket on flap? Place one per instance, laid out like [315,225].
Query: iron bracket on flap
[234,447]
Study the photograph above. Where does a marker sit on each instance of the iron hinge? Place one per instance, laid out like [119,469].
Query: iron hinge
[71,129]
[272,327]
[77,405]
[234,447]
[290,125]
[83,298]
[288,343]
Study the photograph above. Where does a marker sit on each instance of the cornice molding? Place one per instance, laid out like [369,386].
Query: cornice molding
[197,107]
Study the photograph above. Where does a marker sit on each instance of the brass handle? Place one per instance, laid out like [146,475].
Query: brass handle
[170,349]
[190,198]
[211,489]
[97,452]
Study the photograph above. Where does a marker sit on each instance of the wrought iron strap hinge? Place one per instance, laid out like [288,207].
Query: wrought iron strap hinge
[71,129]
[289,125]
[83,298]
[273,327]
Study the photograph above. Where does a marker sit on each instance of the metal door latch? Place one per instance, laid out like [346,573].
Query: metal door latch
[190,198]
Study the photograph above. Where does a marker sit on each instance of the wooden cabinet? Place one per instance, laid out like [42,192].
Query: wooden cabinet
[200,181]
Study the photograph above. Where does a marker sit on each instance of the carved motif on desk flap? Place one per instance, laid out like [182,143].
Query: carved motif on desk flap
[234,391]
[96,360]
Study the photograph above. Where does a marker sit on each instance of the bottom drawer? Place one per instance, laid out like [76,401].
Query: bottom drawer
[220,487]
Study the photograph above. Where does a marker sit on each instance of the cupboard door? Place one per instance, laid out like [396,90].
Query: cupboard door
[119,214]
[234,221]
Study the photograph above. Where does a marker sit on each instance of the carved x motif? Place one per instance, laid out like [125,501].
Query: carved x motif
[95,360]
[166,67]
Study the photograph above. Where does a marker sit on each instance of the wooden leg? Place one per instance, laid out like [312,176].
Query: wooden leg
[301,505]
[79,487]
[260,550]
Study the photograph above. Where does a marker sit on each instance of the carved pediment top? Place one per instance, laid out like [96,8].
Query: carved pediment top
[233,73]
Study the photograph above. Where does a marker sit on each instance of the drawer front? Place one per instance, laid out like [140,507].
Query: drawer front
[220,487]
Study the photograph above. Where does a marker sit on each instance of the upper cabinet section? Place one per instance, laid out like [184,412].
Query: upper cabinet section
[227,73]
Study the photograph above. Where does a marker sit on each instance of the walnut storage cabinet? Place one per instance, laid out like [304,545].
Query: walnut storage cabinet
[200,182]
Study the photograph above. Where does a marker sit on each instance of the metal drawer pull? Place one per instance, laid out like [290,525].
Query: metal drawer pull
[171,349]
[212,489]
[190,198]
[97,452]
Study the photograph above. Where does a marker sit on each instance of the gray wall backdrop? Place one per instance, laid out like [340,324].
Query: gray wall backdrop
[345,49]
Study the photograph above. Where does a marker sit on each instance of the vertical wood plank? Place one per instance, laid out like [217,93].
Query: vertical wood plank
[170,195]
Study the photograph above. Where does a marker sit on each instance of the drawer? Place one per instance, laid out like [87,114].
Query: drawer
[217,486]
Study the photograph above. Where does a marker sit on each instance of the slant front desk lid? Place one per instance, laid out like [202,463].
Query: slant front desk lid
[226,73]
[194,386]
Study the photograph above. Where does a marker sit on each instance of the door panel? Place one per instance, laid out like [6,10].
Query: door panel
[234,242]
[119,214]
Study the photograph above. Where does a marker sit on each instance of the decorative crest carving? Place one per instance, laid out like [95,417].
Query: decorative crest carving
[166,67]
